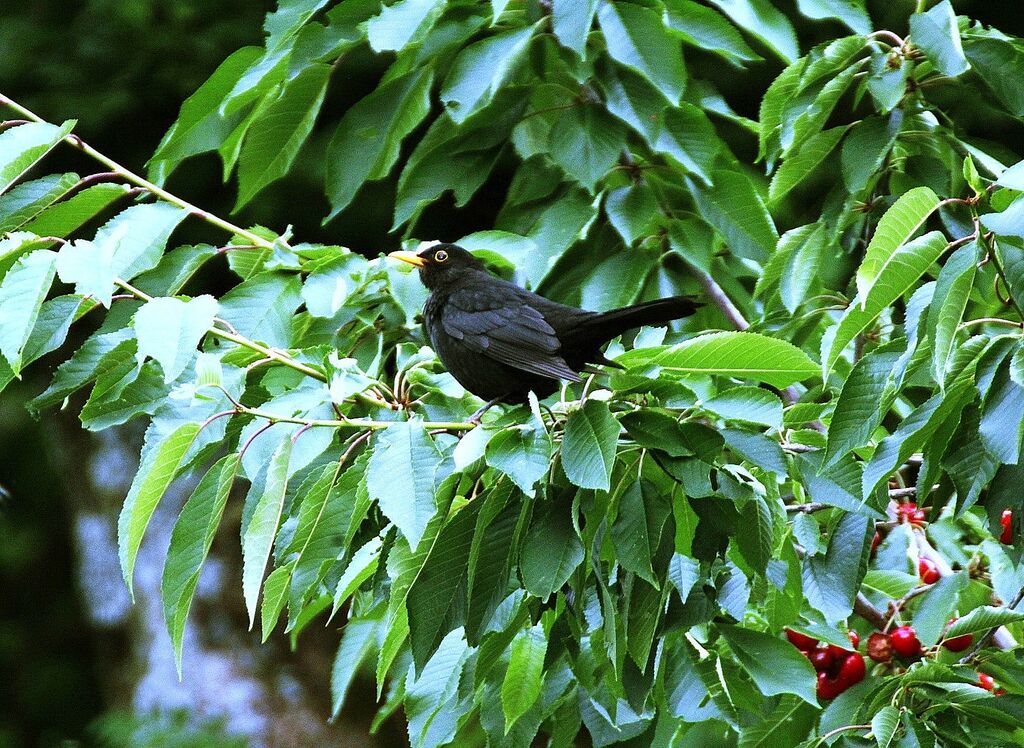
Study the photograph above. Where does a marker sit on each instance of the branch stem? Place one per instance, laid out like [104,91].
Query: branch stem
[241,340]
[76,142]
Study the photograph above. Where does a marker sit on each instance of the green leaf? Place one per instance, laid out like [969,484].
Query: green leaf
[812,119]
[588,445]
[744,355]
[913,431]
[62,218]
[632,211]
[863,402]
[367,141]
[21,297]
[735,209]
[831,581]
[688,136]
[996,61]
[274,140]
[360,568]
[169,330]
[128,244]
[633,99]
[452,157]
[956,279]
[440,587]
[754,534]
[200,127]
[908,263]
[761,20]
[275,593]
[851,12]
[705,29]
[637,38]
[774,110]
[329,516]
[522,452]
[938,36]
[122,392]
[160,463]
[586,142]
[787,724]
[480,70]
[50,331]
[83,366]
[936,606]
[571,21]
[401,476]
[551,552]
[261,308]
[191,541]
[637,529]
[864,150]
[747,404]
[29,199]
[683,573]
[895,229]
[1009,222]
[803,269]
[983,619]
[884,725]
[397,24]
[524,676]
[1012,177]
[775,666]
[358,640]
[23,146]
[799,166]
[259,533]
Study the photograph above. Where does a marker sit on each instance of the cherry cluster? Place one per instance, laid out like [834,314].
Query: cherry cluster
[838,668]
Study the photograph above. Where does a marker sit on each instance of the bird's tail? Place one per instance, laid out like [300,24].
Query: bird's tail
[607,325]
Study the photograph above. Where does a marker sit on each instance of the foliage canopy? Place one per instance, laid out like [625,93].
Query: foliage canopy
[623,558]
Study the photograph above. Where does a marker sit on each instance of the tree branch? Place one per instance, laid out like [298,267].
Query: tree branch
[76,142]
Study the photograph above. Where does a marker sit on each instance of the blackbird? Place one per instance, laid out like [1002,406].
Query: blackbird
[501,341]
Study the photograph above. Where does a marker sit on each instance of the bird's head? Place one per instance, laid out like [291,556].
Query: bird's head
[440,264]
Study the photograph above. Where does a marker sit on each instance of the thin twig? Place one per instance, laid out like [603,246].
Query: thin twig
[130,176]
[269,353]
[351,423]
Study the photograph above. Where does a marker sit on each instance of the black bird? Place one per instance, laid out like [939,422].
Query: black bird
[501,341]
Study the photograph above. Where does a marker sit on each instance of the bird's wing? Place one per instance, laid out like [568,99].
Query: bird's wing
[498,323]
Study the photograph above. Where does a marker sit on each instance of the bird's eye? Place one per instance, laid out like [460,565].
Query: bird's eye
[441,255]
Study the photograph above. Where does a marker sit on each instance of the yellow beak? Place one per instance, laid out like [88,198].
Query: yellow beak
[410,257]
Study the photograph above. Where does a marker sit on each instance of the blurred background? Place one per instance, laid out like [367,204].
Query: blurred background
[80,664]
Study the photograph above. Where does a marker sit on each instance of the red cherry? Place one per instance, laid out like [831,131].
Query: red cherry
[875,542]
[879,648]
[1006,520]
[821,659]
[801,641]
[928,571]
[986,681]
[854,638]
[828,688]
[905,510]
[904,641]
[958,643]
[852,671]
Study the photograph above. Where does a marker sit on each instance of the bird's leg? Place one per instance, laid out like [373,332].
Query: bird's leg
[475,418]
